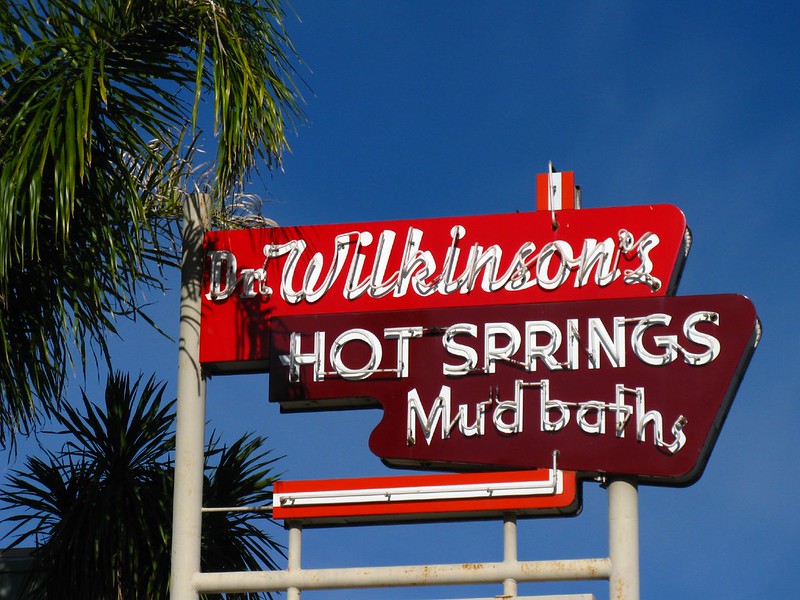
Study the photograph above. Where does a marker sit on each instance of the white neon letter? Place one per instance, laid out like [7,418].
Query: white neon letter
[514,407]
[599,337]
[668,342]
[703,339]
[599,409]
[469,354]
[402,335]
[439,410]
[362,335]
[297,359]
[547,405]
[495,352]
[222,287]
[543,265]
[545,351]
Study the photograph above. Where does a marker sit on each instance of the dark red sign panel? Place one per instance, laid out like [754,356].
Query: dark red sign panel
[252,276]
[628,386]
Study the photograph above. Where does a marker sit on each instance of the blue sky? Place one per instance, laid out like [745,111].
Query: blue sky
[451,108]
[418,110]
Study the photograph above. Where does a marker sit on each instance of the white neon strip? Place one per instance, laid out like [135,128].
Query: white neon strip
[551,486]
[554,192]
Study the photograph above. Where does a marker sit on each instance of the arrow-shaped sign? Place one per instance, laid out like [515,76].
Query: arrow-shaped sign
[629,386]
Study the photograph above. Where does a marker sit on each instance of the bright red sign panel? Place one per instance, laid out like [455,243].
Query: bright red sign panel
[461,496]
[254,275]
[628,386]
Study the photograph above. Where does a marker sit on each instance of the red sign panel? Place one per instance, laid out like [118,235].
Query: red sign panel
[556,191]
[252,276]
[461,496]
[628,386]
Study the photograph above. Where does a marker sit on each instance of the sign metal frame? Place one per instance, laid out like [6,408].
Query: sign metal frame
[246,351]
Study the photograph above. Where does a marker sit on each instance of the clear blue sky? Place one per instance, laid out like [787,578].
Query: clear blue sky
[451,108]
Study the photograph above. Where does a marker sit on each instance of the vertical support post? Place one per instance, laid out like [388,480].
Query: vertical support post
[623,538]
[191,408]
[509,552]
[295,551]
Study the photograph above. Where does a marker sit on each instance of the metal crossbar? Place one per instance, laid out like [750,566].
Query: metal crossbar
[508,572]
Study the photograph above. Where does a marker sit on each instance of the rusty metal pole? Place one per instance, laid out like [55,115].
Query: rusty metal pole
[623,538]
[295,552]
[586,569]
[510,552]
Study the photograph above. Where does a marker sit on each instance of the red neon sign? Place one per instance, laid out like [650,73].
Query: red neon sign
[253,276]
[627,386]
[400,499]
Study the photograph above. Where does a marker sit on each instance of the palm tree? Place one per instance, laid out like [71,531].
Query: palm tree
[99,510]
[238,475]
[99,123]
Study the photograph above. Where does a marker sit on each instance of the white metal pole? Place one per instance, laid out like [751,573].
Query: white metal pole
[410,575]
[623,538]
[191,408]
[295,552]
[510,552]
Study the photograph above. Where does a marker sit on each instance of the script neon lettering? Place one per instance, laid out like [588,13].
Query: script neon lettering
[421,273]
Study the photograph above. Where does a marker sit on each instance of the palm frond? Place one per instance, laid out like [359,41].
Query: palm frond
[241,476]
[99,510]
[99,126]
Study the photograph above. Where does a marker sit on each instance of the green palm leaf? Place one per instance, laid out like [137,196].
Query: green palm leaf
[100,509]
[99,121]
[241,476]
